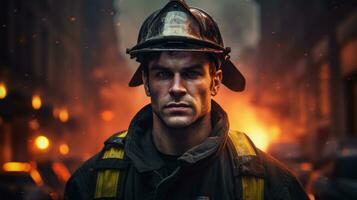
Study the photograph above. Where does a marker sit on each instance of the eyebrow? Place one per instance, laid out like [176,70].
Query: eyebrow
[158,67]
[194,66]
[191,67]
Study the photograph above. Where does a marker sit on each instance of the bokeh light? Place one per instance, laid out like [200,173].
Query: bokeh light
[42,142]
[36,102]
[3,91]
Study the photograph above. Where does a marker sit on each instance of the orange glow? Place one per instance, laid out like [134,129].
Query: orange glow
[42,142]
[64,149]
[261,134]
[33,124]
[311,196]
[63,115]
[16,167]
[36,177]
[3,91]
[306,166]
[107,115]
[61,171]
[55,112]
[72,18]
[257,123]
[36,102]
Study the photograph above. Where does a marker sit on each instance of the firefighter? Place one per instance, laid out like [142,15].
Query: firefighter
[180,145]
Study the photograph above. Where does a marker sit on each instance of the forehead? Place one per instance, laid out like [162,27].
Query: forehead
[178,59]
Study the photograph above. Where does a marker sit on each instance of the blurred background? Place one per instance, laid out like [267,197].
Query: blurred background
[64,75]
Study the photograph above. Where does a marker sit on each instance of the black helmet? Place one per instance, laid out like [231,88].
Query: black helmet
[177,27]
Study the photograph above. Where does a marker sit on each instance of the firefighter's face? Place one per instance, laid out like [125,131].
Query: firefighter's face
[180,85]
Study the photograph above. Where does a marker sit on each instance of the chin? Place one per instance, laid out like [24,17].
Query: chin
[178,122]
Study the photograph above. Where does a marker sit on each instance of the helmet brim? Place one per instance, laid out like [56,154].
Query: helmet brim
[232,77]
[175,43]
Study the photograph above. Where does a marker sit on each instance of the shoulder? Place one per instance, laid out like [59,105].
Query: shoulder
[281,183]
[82,182]
[79,186]
[273,166]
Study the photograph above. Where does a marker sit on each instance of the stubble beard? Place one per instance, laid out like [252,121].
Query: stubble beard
[181,127]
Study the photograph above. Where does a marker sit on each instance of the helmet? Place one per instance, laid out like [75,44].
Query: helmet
[177,27]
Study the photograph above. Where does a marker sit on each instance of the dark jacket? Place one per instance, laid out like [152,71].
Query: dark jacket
[204,172]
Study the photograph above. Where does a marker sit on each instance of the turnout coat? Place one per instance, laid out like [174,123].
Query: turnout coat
[226,166]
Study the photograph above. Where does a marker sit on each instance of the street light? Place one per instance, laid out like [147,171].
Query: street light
[3,91]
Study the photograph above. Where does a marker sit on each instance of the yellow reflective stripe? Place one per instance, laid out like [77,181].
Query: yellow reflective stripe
[253,188]
[113,153]
[107,183]
[122,135]
[108,180]
[241,144]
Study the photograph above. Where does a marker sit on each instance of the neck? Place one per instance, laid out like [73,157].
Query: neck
[176,141]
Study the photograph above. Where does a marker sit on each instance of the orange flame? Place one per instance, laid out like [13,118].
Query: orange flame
[257,123]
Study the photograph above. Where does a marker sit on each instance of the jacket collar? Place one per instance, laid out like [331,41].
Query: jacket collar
[140,148]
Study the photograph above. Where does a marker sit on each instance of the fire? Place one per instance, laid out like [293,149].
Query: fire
[258,124]
[260,134]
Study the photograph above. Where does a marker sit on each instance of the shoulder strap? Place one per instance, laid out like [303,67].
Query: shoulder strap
[109,167]
[245,153]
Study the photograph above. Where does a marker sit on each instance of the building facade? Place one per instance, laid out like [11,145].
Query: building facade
[307,73]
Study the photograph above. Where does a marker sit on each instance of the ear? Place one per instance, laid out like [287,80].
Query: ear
[145,79]
[216,82]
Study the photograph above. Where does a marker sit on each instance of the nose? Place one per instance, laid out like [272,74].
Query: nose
[177,88]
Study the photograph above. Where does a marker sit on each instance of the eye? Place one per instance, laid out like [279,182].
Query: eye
[192,74]
[163,75]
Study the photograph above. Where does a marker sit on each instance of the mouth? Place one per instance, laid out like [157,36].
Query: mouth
[177,107]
